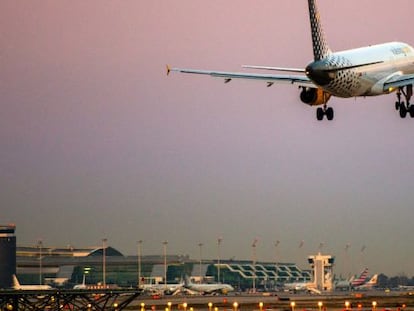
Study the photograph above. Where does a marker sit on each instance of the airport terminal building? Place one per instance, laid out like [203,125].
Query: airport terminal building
[67,266]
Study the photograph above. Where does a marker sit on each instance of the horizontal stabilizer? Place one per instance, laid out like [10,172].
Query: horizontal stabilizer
[298,70]
[270,79]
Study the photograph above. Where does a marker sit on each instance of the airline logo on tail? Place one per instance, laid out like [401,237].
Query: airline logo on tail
[320,46]
[361,279]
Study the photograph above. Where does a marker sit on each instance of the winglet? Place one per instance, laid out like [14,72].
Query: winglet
[168,69]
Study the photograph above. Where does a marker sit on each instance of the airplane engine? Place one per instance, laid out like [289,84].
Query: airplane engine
[314,97]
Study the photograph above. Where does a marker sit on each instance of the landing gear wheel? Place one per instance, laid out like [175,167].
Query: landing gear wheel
[329,113]
[403,111]
[411,111]
[319,114]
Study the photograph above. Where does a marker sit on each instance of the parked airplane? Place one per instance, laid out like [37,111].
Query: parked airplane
[356,283]
[309,287]
[208,288]
[361,279]
[18,286]
[367,71]
[162,289]
[371,284]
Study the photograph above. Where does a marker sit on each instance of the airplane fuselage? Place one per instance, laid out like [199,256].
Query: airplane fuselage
[368,69]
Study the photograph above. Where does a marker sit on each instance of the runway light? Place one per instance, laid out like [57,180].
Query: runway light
[261,306]
[292,306]
[320,304]
[235,305]
[347,304]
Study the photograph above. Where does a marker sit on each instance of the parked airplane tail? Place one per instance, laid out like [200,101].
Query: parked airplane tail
[320,45]
[373,281]
[187,280]
[16,283]
[361,279]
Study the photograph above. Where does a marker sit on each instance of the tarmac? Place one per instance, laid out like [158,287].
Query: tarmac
[372,301]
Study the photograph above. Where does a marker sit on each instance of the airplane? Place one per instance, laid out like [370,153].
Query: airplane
[367,71]
[208,288]
[309,287]
[165,289]
[406,287]
[372,283]
[18,286]
[353,282]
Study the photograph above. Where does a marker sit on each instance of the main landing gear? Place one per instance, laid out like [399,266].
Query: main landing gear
[405,107]
[325,111]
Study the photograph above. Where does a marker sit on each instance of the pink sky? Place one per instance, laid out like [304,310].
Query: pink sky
[96,140]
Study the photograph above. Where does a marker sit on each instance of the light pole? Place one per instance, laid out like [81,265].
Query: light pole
[219,240]
[165,243]
[276,245]
[201,256]
[254,263]
[40,243]
[104,261]
[139,263]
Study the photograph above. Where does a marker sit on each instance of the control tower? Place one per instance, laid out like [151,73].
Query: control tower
[7,255]
[322,266]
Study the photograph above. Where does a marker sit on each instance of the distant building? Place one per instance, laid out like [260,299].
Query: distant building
[66,266]
[7,255]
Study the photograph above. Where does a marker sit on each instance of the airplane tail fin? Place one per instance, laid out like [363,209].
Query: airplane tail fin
[320,45]
[16,283]
[187,280]
[361,279]
[373,280]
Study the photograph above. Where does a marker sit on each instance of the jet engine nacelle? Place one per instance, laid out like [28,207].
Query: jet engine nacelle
[314,96]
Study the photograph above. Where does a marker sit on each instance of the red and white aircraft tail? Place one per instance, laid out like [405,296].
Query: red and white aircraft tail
[361,279]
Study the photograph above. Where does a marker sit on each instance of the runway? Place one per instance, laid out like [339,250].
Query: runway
[282,301]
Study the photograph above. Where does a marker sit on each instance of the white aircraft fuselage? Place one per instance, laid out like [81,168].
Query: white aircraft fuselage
[370,68]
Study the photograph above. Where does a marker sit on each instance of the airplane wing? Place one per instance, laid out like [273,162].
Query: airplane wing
[399,81]
[270,79]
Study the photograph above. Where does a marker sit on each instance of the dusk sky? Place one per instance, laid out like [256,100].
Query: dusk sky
[96,141]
